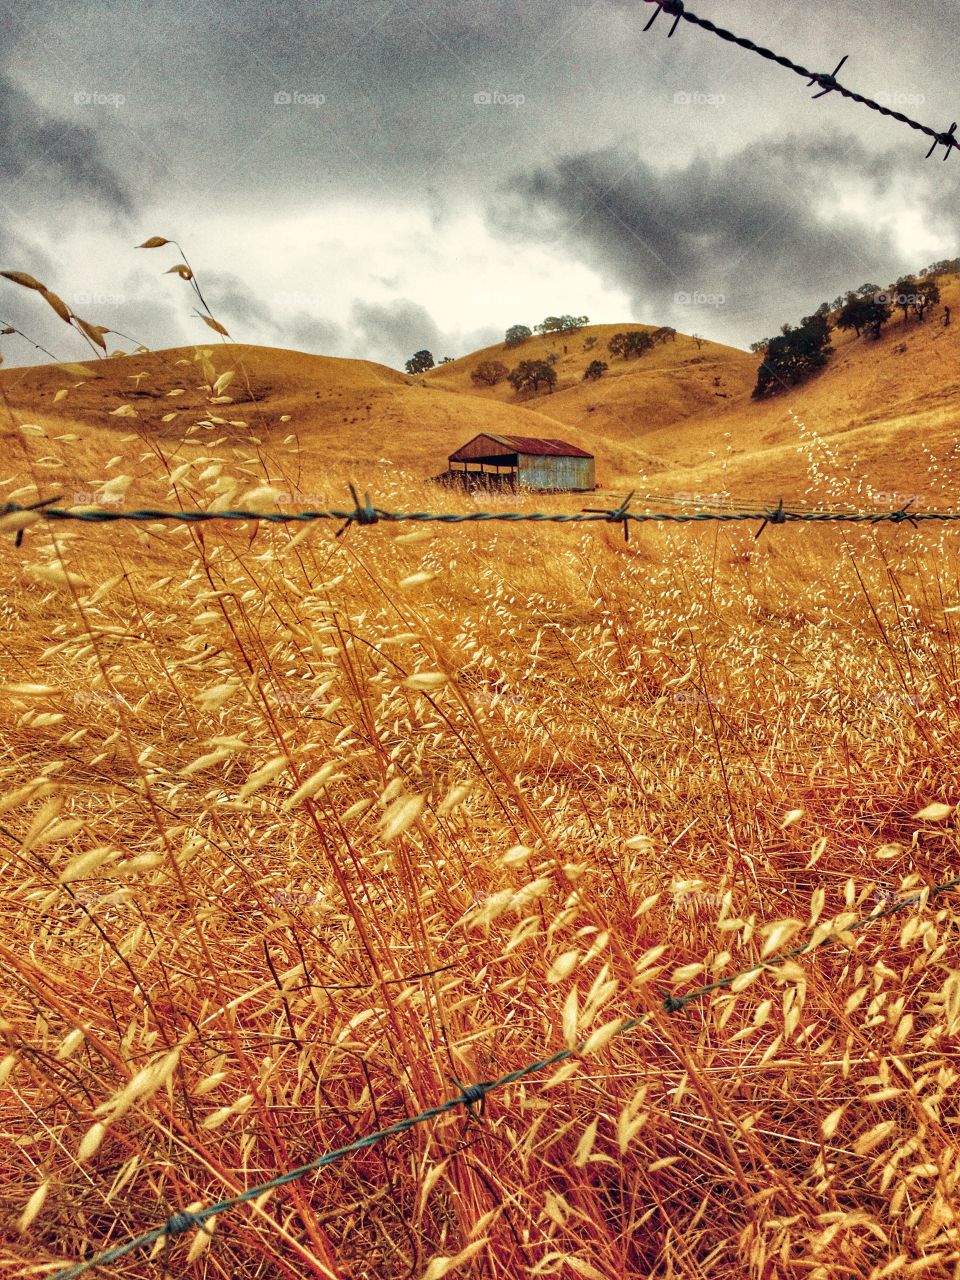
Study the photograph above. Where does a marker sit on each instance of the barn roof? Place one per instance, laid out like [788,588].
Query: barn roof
[534,445]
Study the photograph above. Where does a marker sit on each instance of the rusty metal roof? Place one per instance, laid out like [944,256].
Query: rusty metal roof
[531,445]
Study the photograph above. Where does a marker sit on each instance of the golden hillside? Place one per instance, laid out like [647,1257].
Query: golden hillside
[879,418]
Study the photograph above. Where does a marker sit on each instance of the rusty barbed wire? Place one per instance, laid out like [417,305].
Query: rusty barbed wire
[13,516]
[826,80]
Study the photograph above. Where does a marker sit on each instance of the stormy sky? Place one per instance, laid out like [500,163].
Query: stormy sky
[366,179]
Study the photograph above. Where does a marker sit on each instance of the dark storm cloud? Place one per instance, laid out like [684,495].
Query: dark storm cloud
[52,153]
[322,337]
[293,107]
[231,299]
[397,329]
[753,235]
[54,176]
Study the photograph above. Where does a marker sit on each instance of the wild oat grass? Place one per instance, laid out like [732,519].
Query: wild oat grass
[297,832]
[243,802]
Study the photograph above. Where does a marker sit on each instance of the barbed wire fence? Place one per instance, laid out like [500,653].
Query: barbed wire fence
[473,1095]
[17,518]
[826,80]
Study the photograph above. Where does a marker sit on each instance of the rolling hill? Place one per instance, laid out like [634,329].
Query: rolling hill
[882,417]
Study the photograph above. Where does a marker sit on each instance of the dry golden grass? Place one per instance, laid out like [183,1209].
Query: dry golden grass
[296,831]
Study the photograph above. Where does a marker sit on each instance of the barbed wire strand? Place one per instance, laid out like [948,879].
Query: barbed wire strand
[365,515]
[827,81]
[185,1220]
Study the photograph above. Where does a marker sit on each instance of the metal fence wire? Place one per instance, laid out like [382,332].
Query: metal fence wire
[14,517]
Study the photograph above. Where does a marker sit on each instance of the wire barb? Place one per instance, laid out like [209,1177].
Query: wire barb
[366,514]
[619,515]
[13,508]
[473,1095]
[673,7]
[948,140]
[180,1222]
[898,517]
[772,517]
[828,81]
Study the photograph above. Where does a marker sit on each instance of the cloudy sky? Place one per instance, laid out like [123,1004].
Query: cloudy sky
[369,177]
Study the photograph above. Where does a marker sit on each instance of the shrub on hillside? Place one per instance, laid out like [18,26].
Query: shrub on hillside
[488,373]
[945,266]
[633,343]
[912,295]
[793,355]
[594,370]
[865,314]
[532,375]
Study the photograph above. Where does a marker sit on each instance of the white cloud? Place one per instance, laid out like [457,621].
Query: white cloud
[321,262]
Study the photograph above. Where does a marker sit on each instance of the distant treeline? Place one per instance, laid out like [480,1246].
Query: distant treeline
[797,352]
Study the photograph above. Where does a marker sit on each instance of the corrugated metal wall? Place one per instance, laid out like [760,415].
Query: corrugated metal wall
[556,473]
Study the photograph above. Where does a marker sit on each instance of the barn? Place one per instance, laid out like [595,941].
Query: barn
[520,462]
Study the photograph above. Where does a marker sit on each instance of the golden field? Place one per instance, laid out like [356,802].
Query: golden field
[301,833]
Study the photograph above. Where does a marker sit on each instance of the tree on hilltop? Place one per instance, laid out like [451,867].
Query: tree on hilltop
[561,324]
[517,334]
[420,362]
